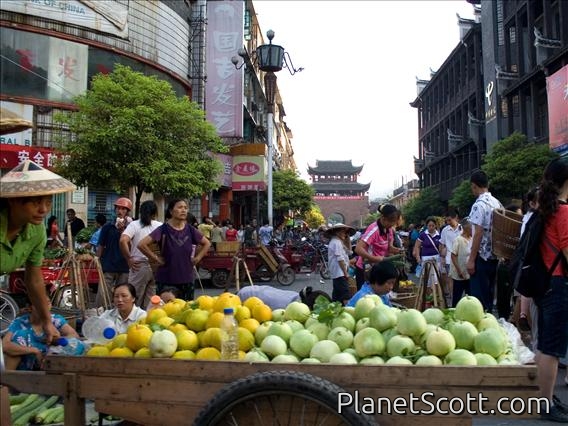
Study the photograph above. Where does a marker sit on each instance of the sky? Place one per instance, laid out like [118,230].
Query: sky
[361,60]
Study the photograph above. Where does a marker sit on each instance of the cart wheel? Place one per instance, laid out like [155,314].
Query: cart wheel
[219,278]
[279,397]
[8,311]
[264,274]
[286,276]
[324,272]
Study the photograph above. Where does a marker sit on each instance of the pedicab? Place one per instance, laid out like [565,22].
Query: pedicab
[260,263]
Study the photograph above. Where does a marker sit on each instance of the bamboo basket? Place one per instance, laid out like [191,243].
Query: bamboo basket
[407,300]
[505,232]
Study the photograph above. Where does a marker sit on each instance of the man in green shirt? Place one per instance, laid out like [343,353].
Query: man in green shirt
[25,200]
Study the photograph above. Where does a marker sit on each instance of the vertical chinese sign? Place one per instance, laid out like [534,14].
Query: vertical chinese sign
[557,91]
[68,64]
[224,89]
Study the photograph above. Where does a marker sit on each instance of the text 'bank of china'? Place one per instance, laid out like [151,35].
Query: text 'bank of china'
[472,404]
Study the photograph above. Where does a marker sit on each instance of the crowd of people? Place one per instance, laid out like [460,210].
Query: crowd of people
[144,257]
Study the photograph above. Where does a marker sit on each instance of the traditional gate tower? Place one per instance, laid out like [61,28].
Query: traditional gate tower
[338,194]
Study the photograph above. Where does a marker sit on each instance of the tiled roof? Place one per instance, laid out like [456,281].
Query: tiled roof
[340,186]
[326,167]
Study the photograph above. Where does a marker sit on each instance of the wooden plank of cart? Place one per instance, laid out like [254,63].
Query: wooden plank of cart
[165,391]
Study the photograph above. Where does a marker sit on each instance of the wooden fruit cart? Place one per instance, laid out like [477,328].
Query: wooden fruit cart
[174,392]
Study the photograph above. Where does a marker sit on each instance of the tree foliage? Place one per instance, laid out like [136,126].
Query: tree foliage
[290,193]
[313,217]
[462,198]
[131,130]
[426,203]
[515,165]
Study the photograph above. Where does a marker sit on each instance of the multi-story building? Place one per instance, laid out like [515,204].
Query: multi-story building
[450,110]
[337,192]
[50,54]
[404,193]
[508,69]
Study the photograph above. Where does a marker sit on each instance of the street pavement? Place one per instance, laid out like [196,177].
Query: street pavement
[317,283]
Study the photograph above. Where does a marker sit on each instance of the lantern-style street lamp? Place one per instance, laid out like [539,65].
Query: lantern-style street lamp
[271,58]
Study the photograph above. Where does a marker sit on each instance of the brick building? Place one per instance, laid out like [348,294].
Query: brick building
[337,192]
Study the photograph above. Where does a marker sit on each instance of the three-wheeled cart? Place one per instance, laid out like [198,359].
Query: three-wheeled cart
[182,392]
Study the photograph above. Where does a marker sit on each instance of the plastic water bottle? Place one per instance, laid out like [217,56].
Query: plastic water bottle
[230,339]
[155,302]
[67,346]
[99,330]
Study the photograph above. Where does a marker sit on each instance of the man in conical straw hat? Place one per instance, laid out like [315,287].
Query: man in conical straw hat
[25,199]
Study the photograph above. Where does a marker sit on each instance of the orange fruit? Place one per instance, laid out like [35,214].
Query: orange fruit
[262,313]
[205,302]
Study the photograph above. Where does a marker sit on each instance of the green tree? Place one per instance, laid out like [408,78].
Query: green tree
[425,204]
[462,198]
[290,193]
[515,165]
[131,130]
[314,217]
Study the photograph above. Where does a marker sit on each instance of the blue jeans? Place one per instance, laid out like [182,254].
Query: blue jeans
[483,281]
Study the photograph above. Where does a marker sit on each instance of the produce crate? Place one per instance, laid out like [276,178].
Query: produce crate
[228,247]
[505,232]
[148,391]
[267,258]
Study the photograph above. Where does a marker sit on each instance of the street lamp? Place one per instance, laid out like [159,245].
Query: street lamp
[271,58]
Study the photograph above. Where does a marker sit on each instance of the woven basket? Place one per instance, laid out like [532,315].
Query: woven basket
[505,233]
[406,299]
[352,286]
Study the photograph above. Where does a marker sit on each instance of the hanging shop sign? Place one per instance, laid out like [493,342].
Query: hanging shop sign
[12,155]
[249,173]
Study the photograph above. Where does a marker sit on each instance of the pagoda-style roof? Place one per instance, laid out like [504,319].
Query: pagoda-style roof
[333,167]
[340,186]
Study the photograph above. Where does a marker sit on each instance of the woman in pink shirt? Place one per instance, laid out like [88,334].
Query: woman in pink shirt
[376,242]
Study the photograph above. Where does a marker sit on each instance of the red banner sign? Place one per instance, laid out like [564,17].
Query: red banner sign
[12,155]
[338,197]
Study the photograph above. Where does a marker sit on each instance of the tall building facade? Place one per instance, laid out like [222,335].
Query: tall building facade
[50,54]
[337,192]
[505,75]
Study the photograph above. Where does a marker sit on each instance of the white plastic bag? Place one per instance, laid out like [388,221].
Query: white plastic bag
[523,354]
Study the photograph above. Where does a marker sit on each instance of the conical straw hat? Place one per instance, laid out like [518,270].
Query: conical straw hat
[30,180]
[11,122]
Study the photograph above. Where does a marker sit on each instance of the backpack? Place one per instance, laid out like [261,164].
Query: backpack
[530,276]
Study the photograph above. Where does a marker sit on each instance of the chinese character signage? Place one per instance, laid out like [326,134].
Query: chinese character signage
[20,138]
[68,65]
[12,155]
[225,178]
[249,173]
[557,91]
[224,88]
[107,16]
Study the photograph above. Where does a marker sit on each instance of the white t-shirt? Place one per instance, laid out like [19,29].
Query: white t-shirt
[136,233]
[336,252]
[447,238]
[462,249]
[120,324]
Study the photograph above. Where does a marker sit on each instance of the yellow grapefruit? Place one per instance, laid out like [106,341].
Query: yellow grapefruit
[213,337]
[262,313]
[177,327]
[119,341]
[154,315]
[187,339]
[172,307]
[197,319]
[242,313]
[226,300]
[98,351]
[250,324]
[246,339]
[205,302]
[121,353]
[165,322]
[143,353]
[210,354]
[251,302]
[214,320]
[184,354]
[138,337]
